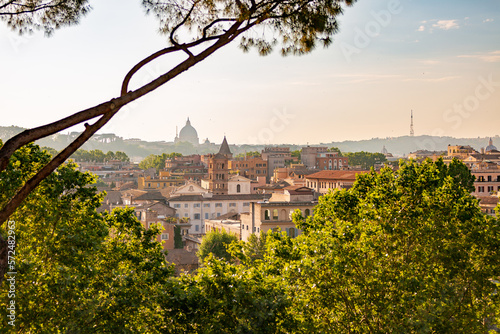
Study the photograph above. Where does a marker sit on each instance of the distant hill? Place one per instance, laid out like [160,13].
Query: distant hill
[401,146]
[138,149]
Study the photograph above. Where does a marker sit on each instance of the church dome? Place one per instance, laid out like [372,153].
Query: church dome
[490,146]
[188,134]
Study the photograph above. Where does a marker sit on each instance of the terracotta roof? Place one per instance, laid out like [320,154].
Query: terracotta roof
[151,196]
[244,197]
[133,192]
[228,216]
[279,185]
[113,197]
[126,186]
[492,200]
[337,174]
[298,189]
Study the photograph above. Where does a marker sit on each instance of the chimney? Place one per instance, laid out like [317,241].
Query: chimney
[482,150]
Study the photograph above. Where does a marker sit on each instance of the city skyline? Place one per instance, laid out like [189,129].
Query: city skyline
[390,57]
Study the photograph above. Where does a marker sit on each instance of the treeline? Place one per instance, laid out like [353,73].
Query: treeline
[92,156]
[364,159]
[157,161]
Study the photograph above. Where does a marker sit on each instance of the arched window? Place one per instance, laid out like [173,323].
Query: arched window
[307,212]
[283,215]
[238,188]
[275,214]
[267,215]
[292,232]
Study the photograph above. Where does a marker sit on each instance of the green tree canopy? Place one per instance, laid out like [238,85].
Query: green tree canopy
[248,154]
[157,161]
[48,15]
[99,156]
[402,251]
[216,243]
[365,159]
[335,149]
[296,153]
[77,270]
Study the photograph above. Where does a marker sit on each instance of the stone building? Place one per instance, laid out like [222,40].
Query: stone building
[309,154]
[218,170]
[276,213]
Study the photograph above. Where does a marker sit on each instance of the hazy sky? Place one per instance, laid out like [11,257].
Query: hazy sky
[440,59]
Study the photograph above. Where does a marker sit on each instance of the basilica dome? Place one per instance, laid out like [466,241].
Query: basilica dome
[490,146]
[188,134]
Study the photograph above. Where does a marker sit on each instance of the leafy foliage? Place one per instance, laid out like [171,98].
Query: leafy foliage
[296,25]
[178,243]
[227,298]
[296,153]
[47,15]
[406,251]
[216,243]
[249,154]
[76,268]
[365,159]
[157,161]
[335,149]
[99,156]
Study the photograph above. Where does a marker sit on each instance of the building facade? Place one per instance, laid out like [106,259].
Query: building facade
[327,180]
[218,170]
[198,208]
[276,157]
[309,154]
[276,213]
[331,161]
[249,167]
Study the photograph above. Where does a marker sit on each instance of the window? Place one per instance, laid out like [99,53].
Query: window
[196,205]
[206,215]
[186,205]
[177,206]
[218,205]
[238,188]
[206,205]
[196,216]
[275,214]
[266,215]
[176,215]
[489,178]
[186,214]
[232,204]
[291,232]
[164,236]
[218,214]
[246,204]
[196,228]
[307,212]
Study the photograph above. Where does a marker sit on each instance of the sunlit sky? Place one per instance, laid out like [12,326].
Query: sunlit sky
[440,59]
